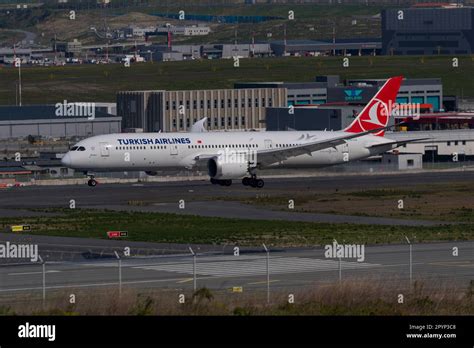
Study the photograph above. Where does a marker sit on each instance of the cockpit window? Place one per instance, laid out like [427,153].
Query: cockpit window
[74,148]
[81,148]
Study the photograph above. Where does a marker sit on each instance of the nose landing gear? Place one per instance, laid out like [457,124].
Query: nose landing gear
[91,182]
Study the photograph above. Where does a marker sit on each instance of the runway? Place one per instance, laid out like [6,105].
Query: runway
[205,199]
[290,269]
[91,263]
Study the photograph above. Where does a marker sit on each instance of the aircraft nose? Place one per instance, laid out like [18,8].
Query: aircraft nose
[66,160]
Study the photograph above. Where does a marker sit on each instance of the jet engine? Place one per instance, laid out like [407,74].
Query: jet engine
[224,170]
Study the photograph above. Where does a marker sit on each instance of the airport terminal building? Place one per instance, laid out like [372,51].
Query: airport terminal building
[330,89]
[177,111]
[251,105]
[428,31]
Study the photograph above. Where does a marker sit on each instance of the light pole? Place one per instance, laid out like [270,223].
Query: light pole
[120,272]
[17,63]
[43,265]
[194,269]
[339,265]
[411,259]
[340,270]
[268,272]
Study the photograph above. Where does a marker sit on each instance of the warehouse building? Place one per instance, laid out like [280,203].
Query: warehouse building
[420,31]
[171,111]
[448,145]
[355,47]
[43,121]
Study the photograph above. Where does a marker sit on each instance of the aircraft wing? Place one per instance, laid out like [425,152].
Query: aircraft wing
[270,156]
[275,155]
[397,143]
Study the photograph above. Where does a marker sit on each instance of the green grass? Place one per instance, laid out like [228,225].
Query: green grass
[172,228]
[101,83]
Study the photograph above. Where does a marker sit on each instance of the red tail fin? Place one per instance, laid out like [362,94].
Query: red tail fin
[378,110]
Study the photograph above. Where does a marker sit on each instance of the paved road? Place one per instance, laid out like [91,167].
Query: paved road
[291,269]
[165,196]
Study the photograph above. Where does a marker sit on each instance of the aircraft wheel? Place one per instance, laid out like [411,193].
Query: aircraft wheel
[92,182]
[246,181]
[260,183]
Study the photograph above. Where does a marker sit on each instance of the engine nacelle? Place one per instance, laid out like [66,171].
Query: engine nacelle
[221,170]
[151,173]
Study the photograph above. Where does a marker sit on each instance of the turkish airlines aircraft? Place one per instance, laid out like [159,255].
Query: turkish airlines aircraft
[238,155]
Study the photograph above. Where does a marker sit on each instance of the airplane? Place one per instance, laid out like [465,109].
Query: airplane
[239,155]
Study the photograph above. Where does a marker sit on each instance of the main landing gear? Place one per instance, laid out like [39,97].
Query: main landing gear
[221,182]
[91,182]
[253,182]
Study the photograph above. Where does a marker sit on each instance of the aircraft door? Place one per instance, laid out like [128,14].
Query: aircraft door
[104,150]
[268,144]
[173,149]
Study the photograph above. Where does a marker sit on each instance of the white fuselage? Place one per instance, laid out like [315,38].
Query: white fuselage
[158,151]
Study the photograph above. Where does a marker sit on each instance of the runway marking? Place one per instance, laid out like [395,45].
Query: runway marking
[263,282]
[185,280]
[257,266]
[96,284]
[28,273]
[453,263]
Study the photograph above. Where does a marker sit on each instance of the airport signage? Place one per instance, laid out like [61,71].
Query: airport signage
[237,289]
[20,228]
[353,94]
[117,234]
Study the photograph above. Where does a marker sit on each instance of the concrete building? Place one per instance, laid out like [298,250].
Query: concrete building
[175,53]
[413,91]
[171,111]
[439,144]
[356,47]
[402,161]
[7,55]
[420,31]
[74,46]
[243,50]
[42,120]
[193,30]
